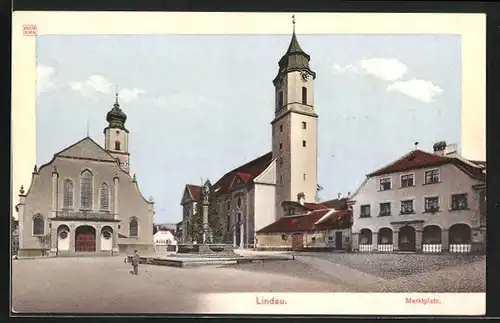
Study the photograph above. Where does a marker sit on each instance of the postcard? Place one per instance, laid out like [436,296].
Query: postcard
[248,163]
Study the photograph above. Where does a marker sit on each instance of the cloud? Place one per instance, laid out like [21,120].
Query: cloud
[393,71]
[128,95]
[337,69]
[98,83]
[46,80]
[424,91]
[386,69]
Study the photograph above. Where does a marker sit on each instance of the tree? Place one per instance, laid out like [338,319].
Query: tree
[216,231]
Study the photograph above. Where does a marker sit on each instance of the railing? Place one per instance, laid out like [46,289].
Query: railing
[460,248]
[365,247]
[385,248]
[432,248]
[85,215]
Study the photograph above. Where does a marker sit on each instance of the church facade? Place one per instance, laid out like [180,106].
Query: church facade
[250,196]
[84,201]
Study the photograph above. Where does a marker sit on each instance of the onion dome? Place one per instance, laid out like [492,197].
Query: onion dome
[116,117]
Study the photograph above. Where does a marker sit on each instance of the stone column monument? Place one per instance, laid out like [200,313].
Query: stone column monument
[205,203]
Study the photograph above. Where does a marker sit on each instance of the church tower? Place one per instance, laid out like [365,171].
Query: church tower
[116,136]
[294,128]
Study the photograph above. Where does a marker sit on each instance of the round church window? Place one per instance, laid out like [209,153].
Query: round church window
[63,235]
[106,234]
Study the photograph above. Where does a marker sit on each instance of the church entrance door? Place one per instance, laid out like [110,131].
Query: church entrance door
[85,239]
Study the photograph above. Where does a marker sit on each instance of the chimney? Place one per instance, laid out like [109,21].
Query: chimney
[441,148]
[301,198]
[451,150]
[339,195]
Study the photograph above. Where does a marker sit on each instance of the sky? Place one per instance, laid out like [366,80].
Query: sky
[201,105]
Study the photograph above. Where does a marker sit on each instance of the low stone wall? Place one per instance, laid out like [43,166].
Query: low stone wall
[32,252]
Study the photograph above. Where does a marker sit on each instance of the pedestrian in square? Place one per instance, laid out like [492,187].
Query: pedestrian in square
[135,262]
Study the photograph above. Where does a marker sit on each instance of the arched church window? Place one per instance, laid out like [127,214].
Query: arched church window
[304,95]
[68,194]
[86,190]
[38,225]
[280,99]
[133,228]
[104,196]
[117,145]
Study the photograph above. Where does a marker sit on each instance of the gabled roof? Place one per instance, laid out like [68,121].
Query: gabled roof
[309,222]
[247,172]
[418,159]
[194,191]
[82,148]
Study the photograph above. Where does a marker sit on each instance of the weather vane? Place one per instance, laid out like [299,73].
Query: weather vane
[293,22]
[116,95]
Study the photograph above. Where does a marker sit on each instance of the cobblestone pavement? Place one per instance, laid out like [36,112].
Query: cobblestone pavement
[389,266]
[105,285]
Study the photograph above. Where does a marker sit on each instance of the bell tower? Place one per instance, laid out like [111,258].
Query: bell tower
[116,135]
[294,127]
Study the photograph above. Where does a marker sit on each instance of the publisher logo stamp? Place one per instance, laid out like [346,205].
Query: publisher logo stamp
[29,30]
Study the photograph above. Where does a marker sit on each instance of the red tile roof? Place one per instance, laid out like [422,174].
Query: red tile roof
[195,191]
[336,220]
[315,206]
[244,176]
[337,204]
[247,172]
[417,159]
[306,222]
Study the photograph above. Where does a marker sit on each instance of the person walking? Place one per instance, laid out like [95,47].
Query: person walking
[135,262]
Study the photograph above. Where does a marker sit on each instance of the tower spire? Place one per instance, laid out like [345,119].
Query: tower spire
[116,96]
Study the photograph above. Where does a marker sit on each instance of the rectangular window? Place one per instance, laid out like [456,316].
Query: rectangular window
[459,202]
[407,180]
[407,207]
[304,95]
[228,224]
[385,184]
[304,125]
[280,99]
[385,209]
[281,179]
[291,211]
[431,204]
[281,128]
[281,161]
[304,143]
[365,211]
[239,218]
[432,176]
[281,146]
[304,176]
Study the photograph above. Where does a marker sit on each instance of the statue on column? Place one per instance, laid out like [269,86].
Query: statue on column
[205,202]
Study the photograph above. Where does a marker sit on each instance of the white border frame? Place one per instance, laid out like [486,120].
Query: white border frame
[471,27]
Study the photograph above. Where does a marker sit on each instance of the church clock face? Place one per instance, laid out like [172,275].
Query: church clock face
[304,75]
